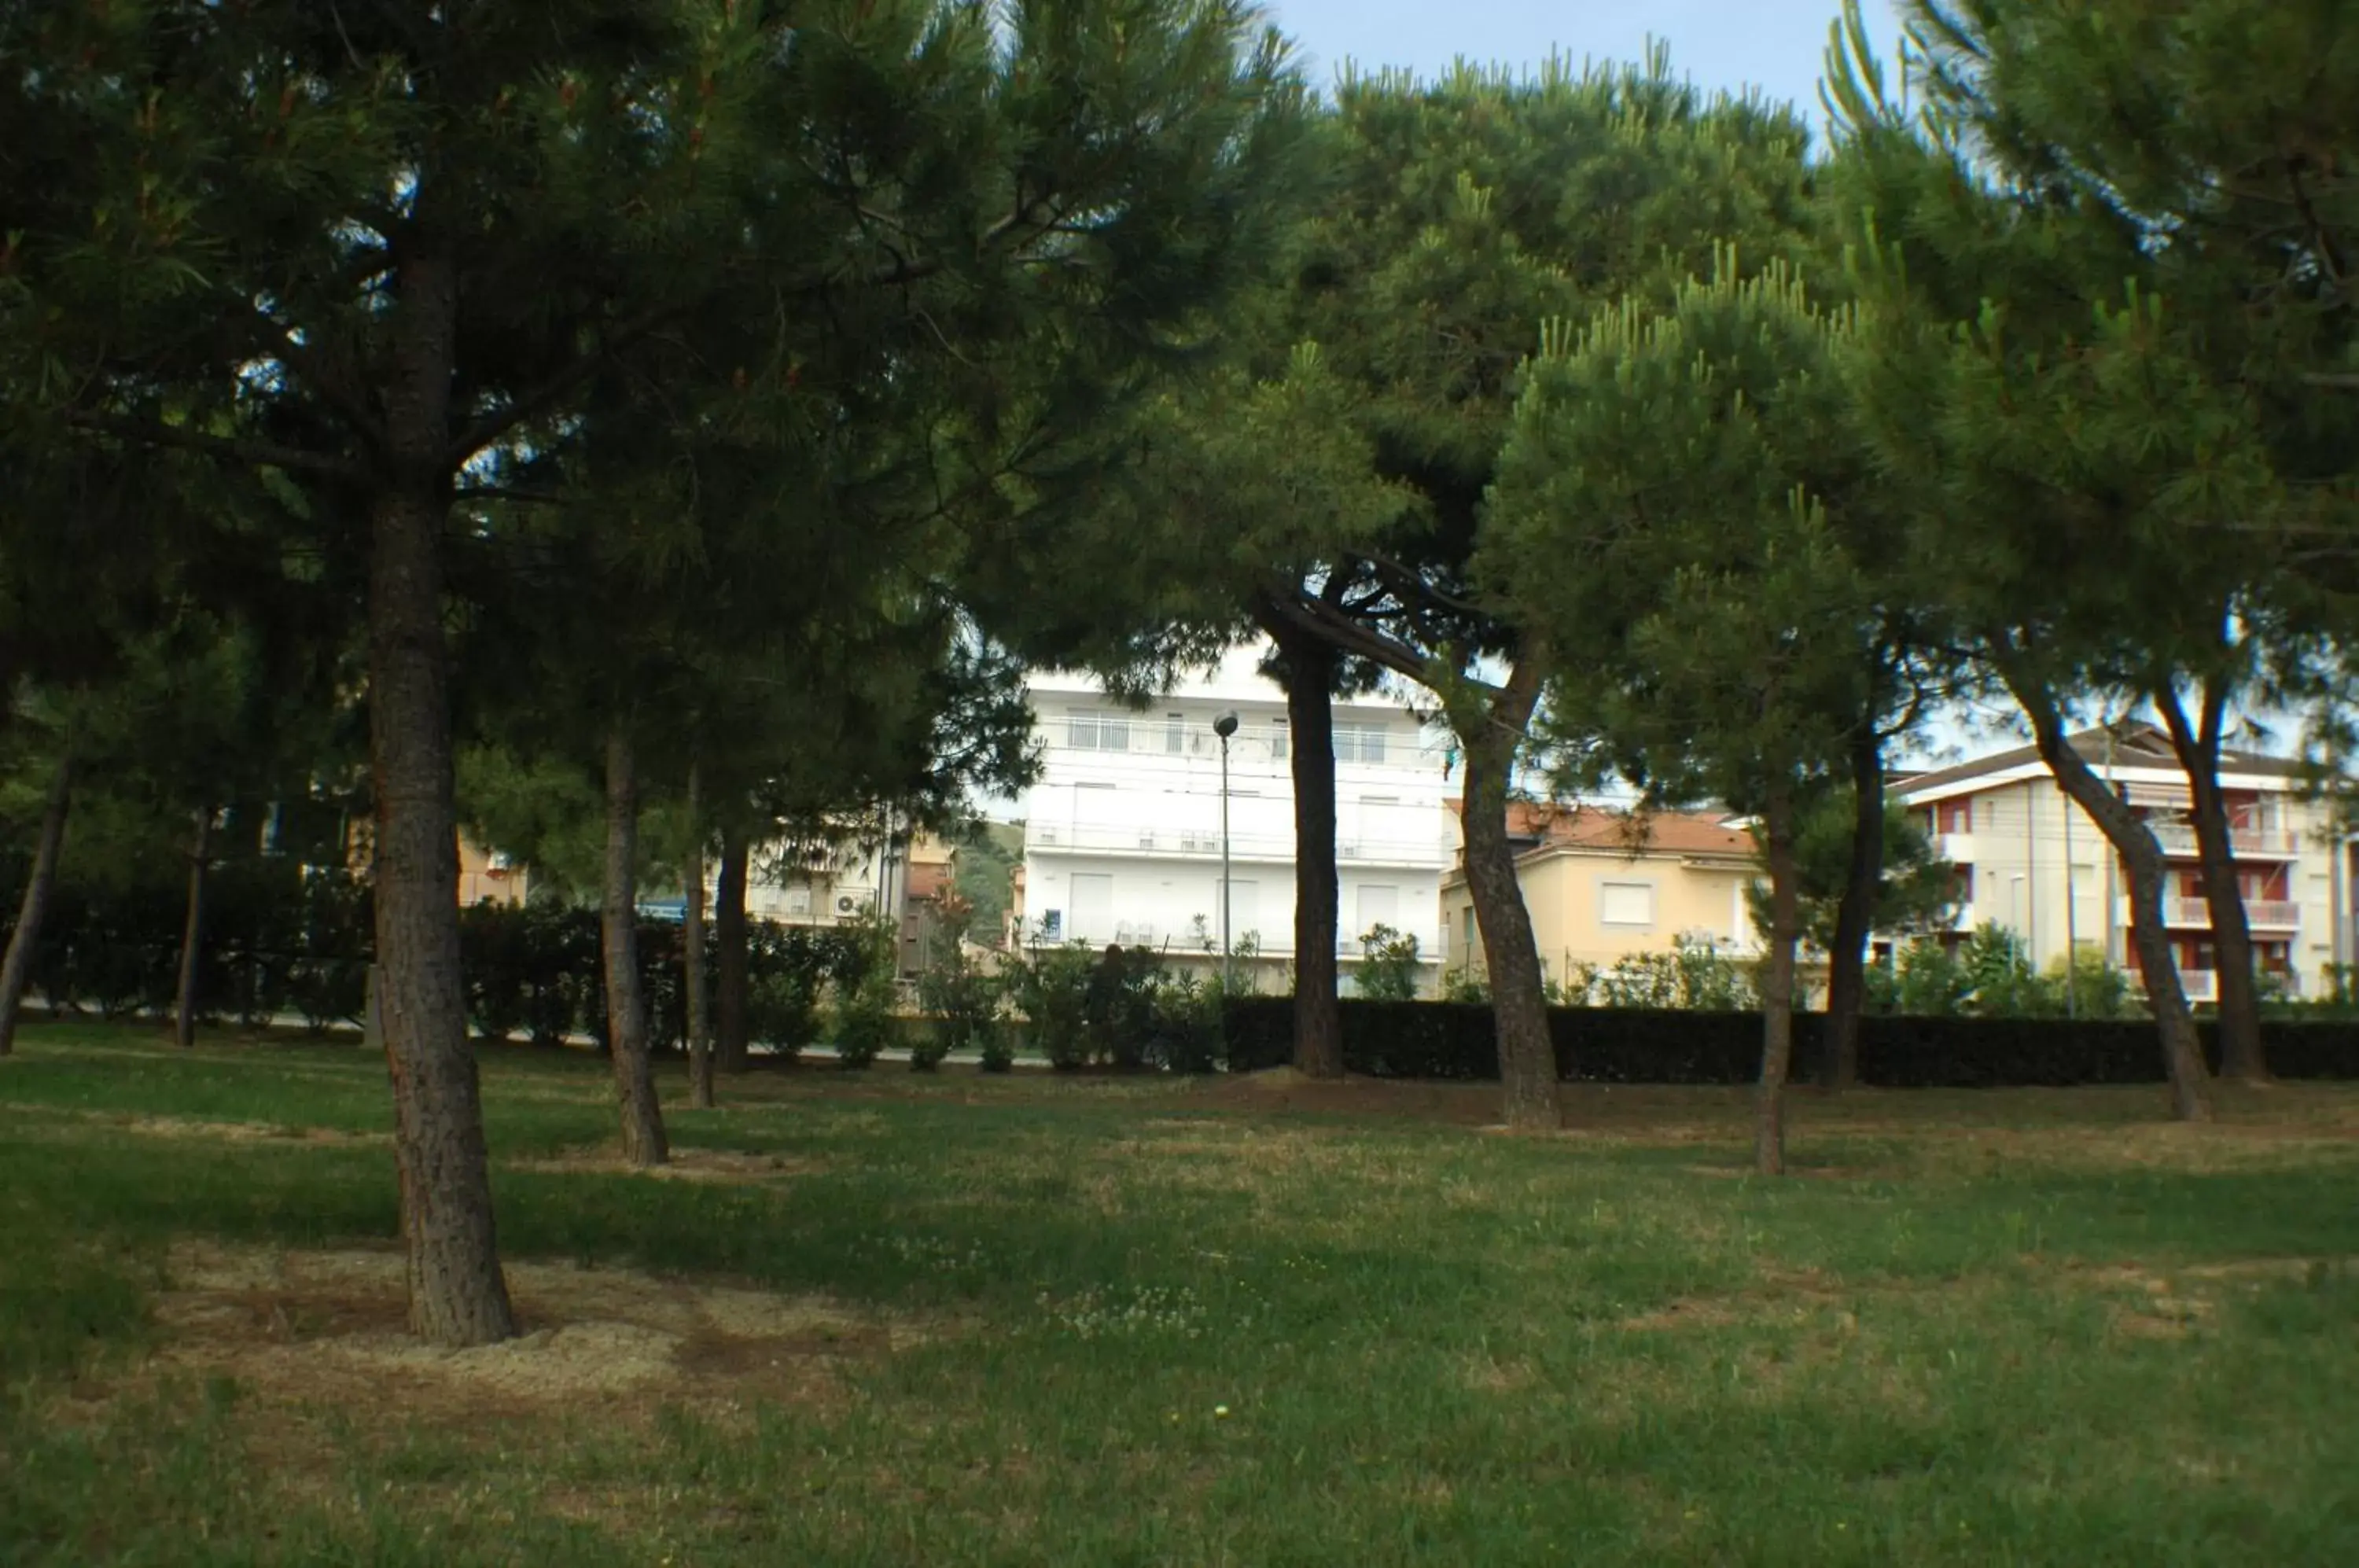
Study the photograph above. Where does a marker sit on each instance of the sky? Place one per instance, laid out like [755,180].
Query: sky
[1774,45]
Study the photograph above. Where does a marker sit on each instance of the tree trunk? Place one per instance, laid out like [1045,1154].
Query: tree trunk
[1309,674]
[1777,987]
[627,1011]
[1855,912]
[1490,734]
[2241,1052]
[2183,1053]
[192,931]
[457,1294]
[730,1040]
[699,1022]
[17,969]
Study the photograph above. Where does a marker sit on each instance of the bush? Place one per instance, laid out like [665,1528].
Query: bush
[964,1006]
[1694,974]
[1186,1033]
[1049,988]
[1387,971]
[863,977]
[1452,1041]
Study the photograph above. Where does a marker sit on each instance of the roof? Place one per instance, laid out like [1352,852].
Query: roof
[1623,832]
[1539,828]
[2132,746]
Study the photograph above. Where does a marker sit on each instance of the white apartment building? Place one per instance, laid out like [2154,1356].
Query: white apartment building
[2030,860]
[1122,832]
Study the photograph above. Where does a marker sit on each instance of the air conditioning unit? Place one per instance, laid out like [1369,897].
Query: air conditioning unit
[1146,839]
[852,904]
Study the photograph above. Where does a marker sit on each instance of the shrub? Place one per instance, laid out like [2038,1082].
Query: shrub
[1695,973]
[1449,1041]
[862,975]
[963,1003]
[1185,1029]
[1049,988]
[1388,961]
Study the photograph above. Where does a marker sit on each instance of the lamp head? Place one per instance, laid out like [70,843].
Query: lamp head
[1226,724]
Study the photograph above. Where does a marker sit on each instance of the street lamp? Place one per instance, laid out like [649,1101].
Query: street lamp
[1225,726]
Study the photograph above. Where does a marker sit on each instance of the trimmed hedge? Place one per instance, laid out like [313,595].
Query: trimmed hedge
[1454,1040]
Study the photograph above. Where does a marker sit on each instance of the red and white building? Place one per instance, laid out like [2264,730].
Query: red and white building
[2030,860]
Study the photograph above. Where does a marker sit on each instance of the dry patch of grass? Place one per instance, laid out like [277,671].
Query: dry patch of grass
[203,1129]
[721,1165]
[306,1336]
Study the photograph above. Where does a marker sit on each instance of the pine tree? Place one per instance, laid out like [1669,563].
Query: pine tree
[1462,213]
[1653,520]
[2218,140]
[386,250]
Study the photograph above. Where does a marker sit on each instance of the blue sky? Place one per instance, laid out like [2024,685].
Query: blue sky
[1774,45]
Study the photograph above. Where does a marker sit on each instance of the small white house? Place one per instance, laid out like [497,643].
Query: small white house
[1124,831]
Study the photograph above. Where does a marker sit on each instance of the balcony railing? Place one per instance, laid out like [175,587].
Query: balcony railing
[1205,844]
[2202,985]
[2195,914]
[1185,940]
[2179,838]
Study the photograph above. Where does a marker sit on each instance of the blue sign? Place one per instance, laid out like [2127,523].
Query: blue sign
[663,908]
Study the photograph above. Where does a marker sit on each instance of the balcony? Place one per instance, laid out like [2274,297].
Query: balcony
[2195,914]
[1163,843]
[2250,844]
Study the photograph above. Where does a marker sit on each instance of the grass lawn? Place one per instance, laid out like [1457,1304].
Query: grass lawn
[886,1319]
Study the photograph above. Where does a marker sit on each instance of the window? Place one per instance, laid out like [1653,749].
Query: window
[1955,816]
[1359,743]
[1469,929]
[1278,734]
[1175,733]
[1092,906]
[1379,905]
[798,898]
[1086,730]
[1626,903]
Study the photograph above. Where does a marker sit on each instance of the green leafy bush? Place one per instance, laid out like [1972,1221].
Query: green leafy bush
[1050,989]
[963,1005]
[1388,964]
[863,988]
[1695,973]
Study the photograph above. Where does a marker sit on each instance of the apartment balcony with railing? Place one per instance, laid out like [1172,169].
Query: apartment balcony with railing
[2177,839]
[2195,914]
[1167,841]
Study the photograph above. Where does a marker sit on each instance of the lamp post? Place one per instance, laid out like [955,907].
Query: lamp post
[1225,726]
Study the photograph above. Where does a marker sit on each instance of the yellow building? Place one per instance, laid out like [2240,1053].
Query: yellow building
[1603,884]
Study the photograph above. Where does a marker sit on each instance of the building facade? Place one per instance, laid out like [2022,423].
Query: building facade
[2028,859]
[1600,885]
[1124,832]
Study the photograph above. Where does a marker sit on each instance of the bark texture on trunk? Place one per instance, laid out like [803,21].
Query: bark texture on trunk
[457,1294]
[691,937]
[1855,913]
[730,1041]
[2183,1053]
[1490,735]
[627,1010]
[17,969]
[192,931]
[2242,1055]
[1310,721]
[1777,988]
